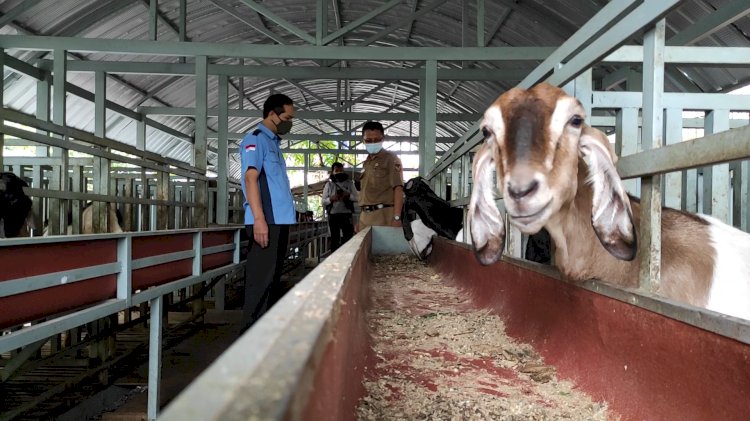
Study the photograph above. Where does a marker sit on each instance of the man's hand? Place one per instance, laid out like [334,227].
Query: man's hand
[396,224]
[260,232]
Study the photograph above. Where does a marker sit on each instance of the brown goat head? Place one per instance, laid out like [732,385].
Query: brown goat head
[534,139]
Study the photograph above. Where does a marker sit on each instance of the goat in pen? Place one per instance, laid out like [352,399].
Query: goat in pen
[558,173]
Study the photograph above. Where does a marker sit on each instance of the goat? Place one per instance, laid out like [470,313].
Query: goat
[558,173]
[114,221]
[16,217]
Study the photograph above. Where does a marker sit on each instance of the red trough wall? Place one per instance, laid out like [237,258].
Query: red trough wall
[337,386]
[31,260]
[645,365]
[161,274]
[217,238]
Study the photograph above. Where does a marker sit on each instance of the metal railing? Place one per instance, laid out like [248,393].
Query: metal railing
[702,175]
[85,278]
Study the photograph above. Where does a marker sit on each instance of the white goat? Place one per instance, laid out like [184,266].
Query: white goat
[558,173]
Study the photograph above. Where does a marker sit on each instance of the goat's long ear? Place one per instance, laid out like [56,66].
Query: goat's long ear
[485,221]
[611,215]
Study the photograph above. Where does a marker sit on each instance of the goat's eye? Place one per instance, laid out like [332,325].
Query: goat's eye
[485,132]
[576,121]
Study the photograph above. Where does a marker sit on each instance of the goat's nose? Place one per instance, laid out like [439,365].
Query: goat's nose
[518,191]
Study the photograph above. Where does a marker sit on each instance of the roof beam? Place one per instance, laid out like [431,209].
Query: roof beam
[403,22]
[341,137]
[279,21]
[711,23]
[289,72]
[181,49]
[360,21]
[589,30]
[346,115]
[260,28]
[616,32]
[16,11]
[321,21]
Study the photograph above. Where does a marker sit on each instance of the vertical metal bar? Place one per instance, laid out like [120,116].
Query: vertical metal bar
[140,135]
[100,97]
[584,90]
[145,210]
[716,178]
[673,181]
[201,157]
[626,133]
[42,110]
[737,193]
[76,208]
[153,19]
[237,246]
[124,277]
[100,215]
[162,193]
[321,21]
[154,357]
[455,180]
[128,216]
[182,21]
[690,190]
[427,128]
[653,129]
[171,210]
[480,23]
[305,174]
[464,27]
[58,208]
[198,304]
[745,203]
[37,206]
[222,213]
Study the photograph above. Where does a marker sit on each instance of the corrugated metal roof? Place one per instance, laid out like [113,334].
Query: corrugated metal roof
[522,23]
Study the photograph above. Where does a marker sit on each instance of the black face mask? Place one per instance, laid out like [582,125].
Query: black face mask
[340,177]
[284,127]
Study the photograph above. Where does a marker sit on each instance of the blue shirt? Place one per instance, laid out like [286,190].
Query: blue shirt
[260,150]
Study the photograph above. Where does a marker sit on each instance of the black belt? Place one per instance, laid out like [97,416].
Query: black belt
[370,208]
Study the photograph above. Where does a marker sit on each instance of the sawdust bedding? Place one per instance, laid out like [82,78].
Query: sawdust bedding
[436,358]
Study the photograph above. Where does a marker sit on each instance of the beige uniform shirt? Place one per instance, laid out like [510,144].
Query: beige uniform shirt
[382,173]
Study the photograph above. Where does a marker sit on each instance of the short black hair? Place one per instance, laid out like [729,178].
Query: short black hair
[276,104]
[372,125]
[337,165]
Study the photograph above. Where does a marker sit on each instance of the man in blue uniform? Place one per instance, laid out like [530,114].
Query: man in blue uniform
[269,208]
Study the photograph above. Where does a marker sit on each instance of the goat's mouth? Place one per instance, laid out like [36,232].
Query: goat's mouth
[531,222]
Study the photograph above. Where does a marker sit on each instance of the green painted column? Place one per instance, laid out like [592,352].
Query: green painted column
[428,118]
[716,181]
[60,181]
[653,137]
[101,171]
[673,181]
[200,156]
[222,194]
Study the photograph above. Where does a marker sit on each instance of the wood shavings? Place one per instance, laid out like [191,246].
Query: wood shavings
[437,358]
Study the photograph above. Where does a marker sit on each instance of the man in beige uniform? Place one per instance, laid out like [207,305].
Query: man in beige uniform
[381,195]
